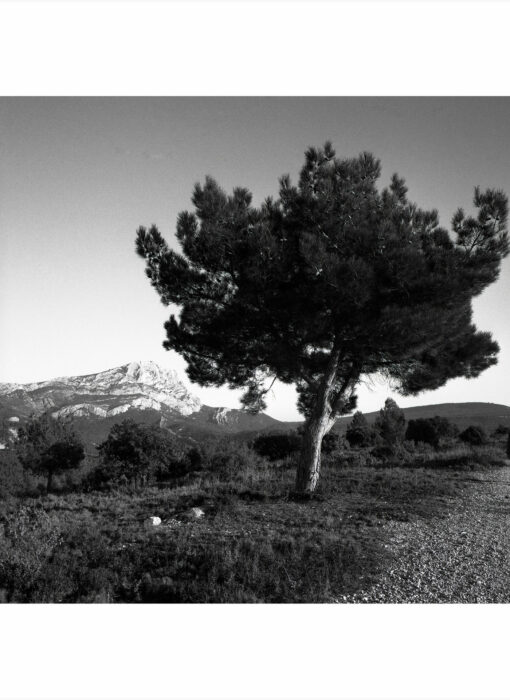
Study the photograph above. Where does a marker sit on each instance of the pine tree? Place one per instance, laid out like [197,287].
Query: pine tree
[49,446]
[359,433]
[391,423]
[332,281]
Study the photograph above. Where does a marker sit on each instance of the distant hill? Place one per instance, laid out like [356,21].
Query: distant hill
[488,415]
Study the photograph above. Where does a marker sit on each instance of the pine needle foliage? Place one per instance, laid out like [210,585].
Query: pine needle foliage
[331,281]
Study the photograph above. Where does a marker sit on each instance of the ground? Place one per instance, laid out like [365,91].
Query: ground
[431,530]
[460,557]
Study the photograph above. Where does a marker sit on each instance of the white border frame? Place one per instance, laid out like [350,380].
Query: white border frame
[202,47]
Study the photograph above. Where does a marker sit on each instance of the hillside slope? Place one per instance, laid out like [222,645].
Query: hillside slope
[488,415]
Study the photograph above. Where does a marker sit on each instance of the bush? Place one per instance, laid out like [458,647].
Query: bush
[277,446]
[508,446]
[135,454]
[12,475]
[331,443]
[359,432]
[230,458]
[391,423]
[388,455]
[350,457]
[27,539]
[432,431]
[474,435]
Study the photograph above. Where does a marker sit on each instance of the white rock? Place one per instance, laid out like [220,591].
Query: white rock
[220,416]
[197,513]
[153,520]
[138,385]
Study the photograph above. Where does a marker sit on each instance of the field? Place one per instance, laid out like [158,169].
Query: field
[429,529]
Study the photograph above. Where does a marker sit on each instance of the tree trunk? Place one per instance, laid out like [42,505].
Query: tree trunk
[310,457]
[317,425]
[49,482]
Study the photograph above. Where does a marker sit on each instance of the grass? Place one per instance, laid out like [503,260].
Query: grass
[254,544]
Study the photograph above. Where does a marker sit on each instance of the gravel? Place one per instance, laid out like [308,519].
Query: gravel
[463,557]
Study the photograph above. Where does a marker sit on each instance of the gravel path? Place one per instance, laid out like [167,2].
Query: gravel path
[463,557]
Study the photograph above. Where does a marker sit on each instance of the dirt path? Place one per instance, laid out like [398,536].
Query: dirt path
[463,557]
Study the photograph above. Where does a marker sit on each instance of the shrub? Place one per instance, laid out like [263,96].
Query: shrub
[135,453]
[474,435]
[508,446]
[27,539]
[49,446]
[359,432]
[389,455]
[230,458]
[355,457]
[432,431]
[391,423]
[12,475]
[500,431]
[277,446]
[331,442]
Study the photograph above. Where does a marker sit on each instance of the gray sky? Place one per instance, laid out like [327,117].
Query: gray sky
[79,175]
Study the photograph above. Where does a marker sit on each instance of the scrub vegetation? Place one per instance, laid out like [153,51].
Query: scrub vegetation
[232,528]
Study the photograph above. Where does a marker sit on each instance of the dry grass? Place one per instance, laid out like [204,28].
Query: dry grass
[254,544]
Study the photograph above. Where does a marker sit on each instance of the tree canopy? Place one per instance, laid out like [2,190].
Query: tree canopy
[49,446]
[331,281]
[135,452]
[359,433]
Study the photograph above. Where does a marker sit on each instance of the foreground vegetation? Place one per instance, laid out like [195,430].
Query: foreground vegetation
[253,543]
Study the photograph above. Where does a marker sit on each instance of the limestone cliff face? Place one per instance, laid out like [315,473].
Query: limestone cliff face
[141,391]
[137,385]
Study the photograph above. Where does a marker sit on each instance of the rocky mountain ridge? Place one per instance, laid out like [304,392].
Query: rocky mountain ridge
[139,385]
[143,391]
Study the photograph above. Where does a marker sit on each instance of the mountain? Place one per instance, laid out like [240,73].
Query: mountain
[142,391]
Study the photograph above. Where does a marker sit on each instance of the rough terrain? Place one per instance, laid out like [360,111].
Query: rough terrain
[463,556]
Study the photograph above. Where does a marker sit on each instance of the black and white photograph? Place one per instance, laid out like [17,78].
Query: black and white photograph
[254,350]
[258,350]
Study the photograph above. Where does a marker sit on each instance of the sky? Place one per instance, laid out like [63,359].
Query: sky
[79,175]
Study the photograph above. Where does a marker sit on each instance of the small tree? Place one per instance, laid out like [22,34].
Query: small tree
[333,281]
[431,430]
[391,423]
[49,446]
[474,435]
[135,452]
[501,431]
[359,433]
[422,430]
